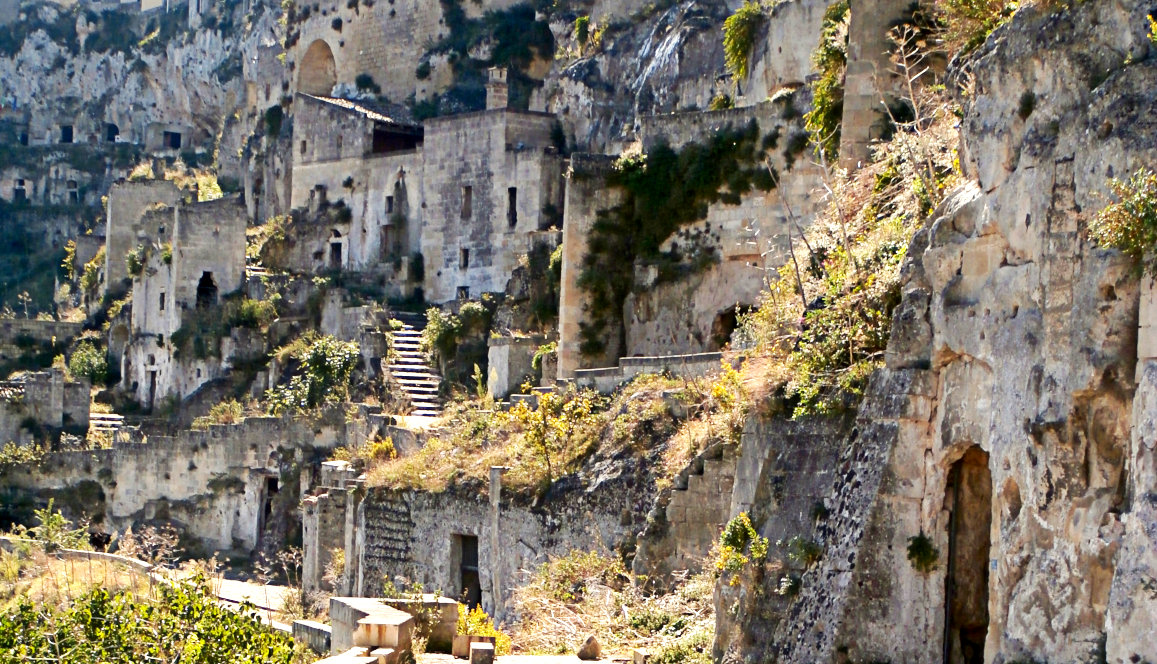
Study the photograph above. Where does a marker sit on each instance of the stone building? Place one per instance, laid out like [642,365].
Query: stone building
[46,399]
[195,258]
[466,196]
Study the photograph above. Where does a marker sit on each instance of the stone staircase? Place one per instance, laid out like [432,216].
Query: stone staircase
[410,368]
[105,422]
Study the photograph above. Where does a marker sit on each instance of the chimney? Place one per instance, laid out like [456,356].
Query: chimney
[497,91]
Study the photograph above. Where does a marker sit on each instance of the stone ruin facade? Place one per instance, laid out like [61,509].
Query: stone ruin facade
[192,256]
[446,208]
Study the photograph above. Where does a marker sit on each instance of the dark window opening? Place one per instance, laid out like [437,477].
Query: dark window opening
[65,133]
[19,193]
[206,291]
[24,138]
[512,206]
[111,133]
[385,141]
[463,292]
[335,250]
[303,147]
[463,259]
[467,202]
[171,140]
[73,192]
[339,144]
[464,550]
[270,492]
[389,204]
[162,302]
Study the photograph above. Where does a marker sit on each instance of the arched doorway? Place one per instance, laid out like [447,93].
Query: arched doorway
[206,291]
[968,498]
[318,70]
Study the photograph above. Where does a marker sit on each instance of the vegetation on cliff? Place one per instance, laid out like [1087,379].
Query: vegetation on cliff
[663,191]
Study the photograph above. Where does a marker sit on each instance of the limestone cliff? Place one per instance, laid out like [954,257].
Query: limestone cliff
[1011,429]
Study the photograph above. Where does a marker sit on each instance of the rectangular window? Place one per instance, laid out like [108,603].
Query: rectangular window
[161,306]
[65,133]
[463,292]
[464,259]
[19,193]
[303,147]
[24,138]
[512,206]
[73,192]
[467,202]
[389,204]
[171,140]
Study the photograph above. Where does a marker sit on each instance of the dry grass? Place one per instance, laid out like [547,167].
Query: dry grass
[584,594]
[665,419]
[48,580]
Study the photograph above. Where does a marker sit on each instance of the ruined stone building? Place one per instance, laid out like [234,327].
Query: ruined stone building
[189,257]
[448,207]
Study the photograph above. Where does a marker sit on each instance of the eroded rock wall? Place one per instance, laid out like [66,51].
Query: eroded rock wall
[1010,427]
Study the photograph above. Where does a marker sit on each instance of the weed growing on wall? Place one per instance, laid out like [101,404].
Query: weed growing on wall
[477,623]
[664,190]
[1130,223]
[969,22]
[922,554]
[740,31]
[739,546]
[830,59]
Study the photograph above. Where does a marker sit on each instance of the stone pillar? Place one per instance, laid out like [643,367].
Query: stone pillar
[496,560]
[586,194]
[868,76]
[497,90]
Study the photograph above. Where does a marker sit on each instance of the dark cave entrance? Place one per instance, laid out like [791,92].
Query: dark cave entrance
[968,497]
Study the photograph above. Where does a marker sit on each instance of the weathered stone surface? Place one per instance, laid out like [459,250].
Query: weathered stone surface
[590,650]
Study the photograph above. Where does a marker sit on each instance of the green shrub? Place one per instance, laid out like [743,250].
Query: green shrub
[135,260]
[721,102]
[181,621]
[327,365]
[365,83]
[90,362]
[226,412]
[476,623]
[739,545]
[90,278]
[1130,224]
[802,551]
[582,29]
[922,554]
[739,34]
[969,22]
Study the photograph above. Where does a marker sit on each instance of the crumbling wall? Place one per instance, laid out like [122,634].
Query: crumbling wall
[213,483]
[127,225]
[1015,346]
[410,536]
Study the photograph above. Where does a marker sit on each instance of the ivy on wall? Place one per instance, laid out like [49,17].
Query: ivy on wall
[665,190]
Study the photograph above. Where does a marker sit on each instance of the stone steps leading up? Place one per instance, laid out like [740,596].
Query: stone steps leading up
[410,368]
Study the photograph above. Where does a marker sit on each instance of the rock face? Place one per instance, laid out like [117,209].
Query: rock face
[1011,430]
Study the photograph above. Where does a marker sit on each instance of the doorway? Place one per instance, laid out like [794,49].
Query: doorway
[464,550]
[206,291]
[968,497]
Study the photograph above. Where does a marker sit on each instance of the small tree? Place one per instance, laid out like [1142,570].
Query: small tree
[90,362]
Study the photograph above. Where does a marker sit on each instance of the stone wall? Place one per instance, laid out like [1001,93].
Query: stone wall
[19,334]
[690,314]
[127,226]
[213,484]
[42,399]
[416,536]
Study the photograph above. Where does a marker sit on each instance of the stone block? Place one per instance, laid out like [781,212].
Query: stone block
[386,655]
[393,630]
[481,653]
[464,642]
[314,634]
[640,656]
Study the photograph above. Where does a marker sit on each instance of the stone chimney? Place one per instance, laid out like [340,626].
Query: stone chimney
[497,91]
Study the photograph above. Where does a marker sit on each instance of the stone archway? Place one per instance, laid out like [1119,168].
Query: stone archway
[968,499]
[317,71]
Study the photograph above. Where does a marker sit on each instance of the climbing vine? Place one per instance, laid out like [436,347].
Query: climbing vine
[830,59]
[739,35]
[664,190]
